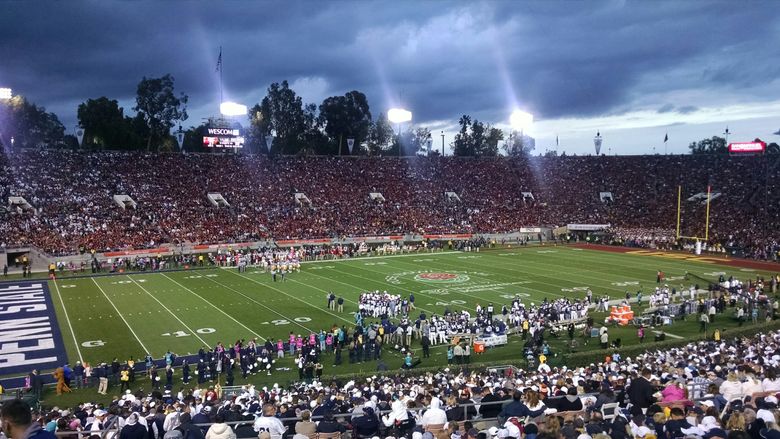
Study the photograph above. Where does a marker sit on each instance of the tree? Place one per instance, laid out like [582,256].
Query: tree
[494,135]
[136,132]
[463,145]
[280,112]
[29,125]
[103,122]
[476,139]
[380,135]
[715,145]
[193,138]
[413,141]
[346,116]
[160,107]
[518,144]
[313,137]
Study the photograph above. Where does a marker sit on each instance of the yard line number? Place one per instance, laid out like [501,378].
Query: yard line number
[185,334]
[280,322]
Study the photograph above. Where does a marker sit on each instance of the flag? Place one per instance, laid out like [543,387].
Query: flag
[556,141]
[219,60]
[666,138]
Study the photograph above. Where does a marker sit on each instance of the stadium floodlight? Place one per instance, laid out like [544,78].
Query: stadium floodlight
[520,120]
[5,93]
[399,115]
[232,109]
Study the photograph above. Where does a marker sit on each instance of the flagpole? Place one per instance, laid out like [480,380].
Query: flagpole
[220,75]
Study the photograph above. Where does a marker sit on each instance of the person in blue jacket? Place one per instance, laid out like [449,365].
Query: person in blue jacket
[518,409]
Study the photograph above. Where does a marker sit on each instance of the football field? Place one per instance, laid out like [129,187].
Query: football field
[127,316]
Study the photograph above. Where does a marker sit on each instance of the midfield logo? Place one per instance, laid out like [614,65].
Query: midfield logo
[432,276]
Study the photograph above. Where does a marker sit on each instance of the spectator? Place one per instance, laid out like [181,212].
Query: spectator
[219,429]
[305,426]
[18,423]
[133,429]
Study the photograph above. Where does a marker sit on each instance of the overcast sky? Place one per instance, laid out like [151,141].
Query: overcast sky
[635,71]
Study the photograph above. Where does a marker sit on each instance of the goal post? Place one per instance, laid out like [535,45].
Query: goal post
[706,217]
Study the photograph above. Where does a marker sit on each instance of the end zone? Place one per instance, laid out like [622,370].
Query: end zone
[30,336]
[720,260]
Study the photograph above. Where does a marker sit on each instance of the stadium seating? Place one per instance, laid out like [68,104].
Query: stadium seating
[72,192]
[748,365]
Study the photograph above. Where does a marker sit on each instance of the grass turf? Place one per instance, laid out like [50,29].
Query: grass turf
[129,315]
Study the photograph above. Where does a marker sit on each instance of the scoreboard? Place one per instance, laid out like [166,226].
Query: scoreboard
[747,147]
[223,138]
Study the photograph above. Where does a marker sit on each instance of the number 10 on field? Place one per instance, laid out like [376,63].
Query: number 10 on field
[184,334]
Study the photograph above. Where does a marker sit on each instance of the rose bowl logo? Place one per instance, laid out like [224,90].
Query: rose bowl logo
[435,277]
[441,277]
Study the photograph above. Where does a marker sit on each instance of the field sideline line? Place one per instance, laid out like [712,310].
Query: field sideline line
[121,316]
[214,306]
[67,319]
[169,311]
[291,320]
[363,258]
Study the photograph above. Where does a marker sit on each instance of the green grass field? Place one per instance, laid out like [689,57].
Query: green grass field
[129,315]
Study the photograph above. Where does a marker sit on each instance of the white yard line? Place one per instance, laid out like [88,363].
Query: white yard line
[121,316]
[215,307]
[351,322]
[359,288]
[668,334]
[67,319]
[289,319]
[170,312]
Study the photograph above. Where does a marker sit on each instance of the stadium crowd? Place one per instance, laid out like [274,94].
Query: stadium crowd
[72,192]
[704,389]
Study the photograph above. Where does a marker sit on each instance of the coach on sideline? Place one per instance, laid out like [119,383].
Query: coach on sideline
[18,422]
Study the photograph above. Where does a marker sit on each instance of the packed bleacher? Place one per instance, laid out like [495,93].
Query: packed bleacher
[72,192]
[705,389]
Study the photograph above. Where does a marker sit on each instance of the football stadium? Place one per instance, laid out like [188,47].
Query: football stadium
[313,263]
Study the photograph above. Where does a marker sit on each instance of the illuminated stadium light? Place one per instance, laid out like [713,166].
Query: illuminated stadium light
[399,115]
[520,120]
[232,109]
[5,93]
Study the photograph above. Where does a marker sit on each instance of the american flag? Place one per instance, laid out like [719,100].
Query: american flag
[219,60]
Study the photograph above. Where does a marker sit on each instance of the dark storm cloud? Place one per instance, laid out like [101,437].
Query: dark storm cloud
[441,59]
[688,109]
